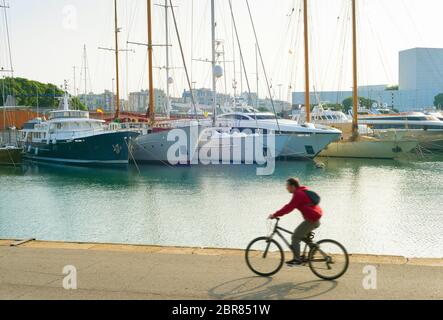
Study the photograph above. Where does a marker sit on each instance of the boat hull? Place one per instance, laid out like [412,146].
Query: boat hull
[307,146]
[107,149]
[242,148]
[377,149]
[431,140]
[433,145]
[154,147]
[10,156]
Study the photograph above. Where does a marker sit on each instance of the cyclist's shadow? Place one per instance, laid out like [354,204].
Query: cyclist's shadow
[258,288]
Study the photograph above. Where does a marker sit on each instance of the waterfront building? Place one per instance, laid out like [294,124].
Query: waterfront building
[139,101]
[420,80]
[205,96]
[104,101]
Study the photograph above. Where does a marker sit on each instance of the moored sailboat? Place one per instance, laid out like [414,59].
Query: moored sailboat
[203,136]
[355,145]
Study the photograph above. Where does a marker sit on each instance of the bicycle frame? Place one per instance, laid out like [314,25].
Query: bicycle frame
[279,231]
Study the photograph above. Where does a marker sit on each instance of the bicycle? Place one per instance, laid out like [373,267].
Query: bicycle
[265,256]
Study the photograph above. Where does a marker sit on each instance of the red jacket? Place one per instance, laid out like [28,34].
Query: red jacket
[303,203]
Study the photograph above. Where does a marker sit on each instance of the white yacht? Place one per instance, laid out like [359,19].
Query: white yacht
[201,142]
[438,115]
[301,140]
[428,129]
[225,145]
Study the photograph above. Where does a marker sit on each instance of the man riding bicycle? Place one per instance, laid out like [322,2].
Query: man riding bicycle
[311,212]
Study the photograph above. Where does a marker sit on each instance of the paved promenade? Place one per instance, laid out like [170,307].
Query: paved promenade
[35,271]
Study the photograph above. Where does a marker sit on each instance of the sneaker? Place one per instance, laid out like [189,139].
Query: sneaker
[294,263]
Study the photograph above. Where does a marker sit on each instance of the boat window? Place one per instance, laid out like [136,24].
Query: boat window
[265,117]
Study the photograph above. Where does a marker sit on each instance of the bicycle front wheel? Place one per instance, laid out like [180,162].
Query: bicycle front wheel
[265,257]
[328,260]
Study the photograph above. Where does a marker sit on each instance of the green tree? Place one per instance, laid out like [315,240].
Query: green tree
[30,93]
[77,104]
[333,106]
[363,102]
[392,88]
[438,101]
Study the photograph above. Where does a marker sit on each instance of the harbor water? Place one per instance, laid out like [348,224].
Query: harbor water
[371,206]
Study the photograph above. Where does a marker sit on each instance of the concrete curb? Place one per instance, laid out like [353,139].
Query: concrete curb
[128,248]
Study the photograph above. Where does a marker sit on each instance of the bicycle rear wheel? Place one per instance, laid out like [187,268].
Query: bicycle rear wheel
[328,260]
[265,257]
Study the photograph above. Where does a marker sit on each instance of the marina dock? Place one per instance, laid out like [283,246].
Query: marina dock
[218,136]
[34,270]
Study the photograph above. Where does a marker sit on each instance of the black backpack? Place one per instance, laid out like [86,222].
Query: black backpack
[315,198]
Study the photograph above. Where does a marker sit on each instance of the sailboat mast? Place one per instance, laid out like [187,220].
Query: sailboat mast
[355,68]
[257,101]
[307,85]
[214,79]
[85,69]
[168,99]
[151,110]
[4,103]
[117,109]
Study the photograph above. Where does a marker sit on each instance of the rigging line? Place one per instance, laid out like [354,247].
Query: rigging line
[312,50]
[9,50]
[343,43]
[143,75]
[335,40]
[296,36]
[379,49]
[200,30]
[132,18]
[184,60]
[278,63]
[89,74]
[435,70]
[263,65]
[234,24]
[192,41]
[8,38]
[234,57]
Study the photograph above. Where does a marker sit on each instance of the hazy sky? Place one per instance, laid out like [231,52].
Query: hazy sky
[47,38]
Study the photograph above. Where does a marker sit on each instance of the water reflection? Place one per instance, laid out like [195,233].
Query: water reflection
[372,206]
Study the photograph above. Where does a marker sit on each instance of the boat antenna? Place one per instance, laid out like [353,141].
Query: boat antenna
[307,84]
[355,70]
[214,79]
[167,67]
[65,96]
[151,109]
[242,61]
[117,78]
[263,64]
